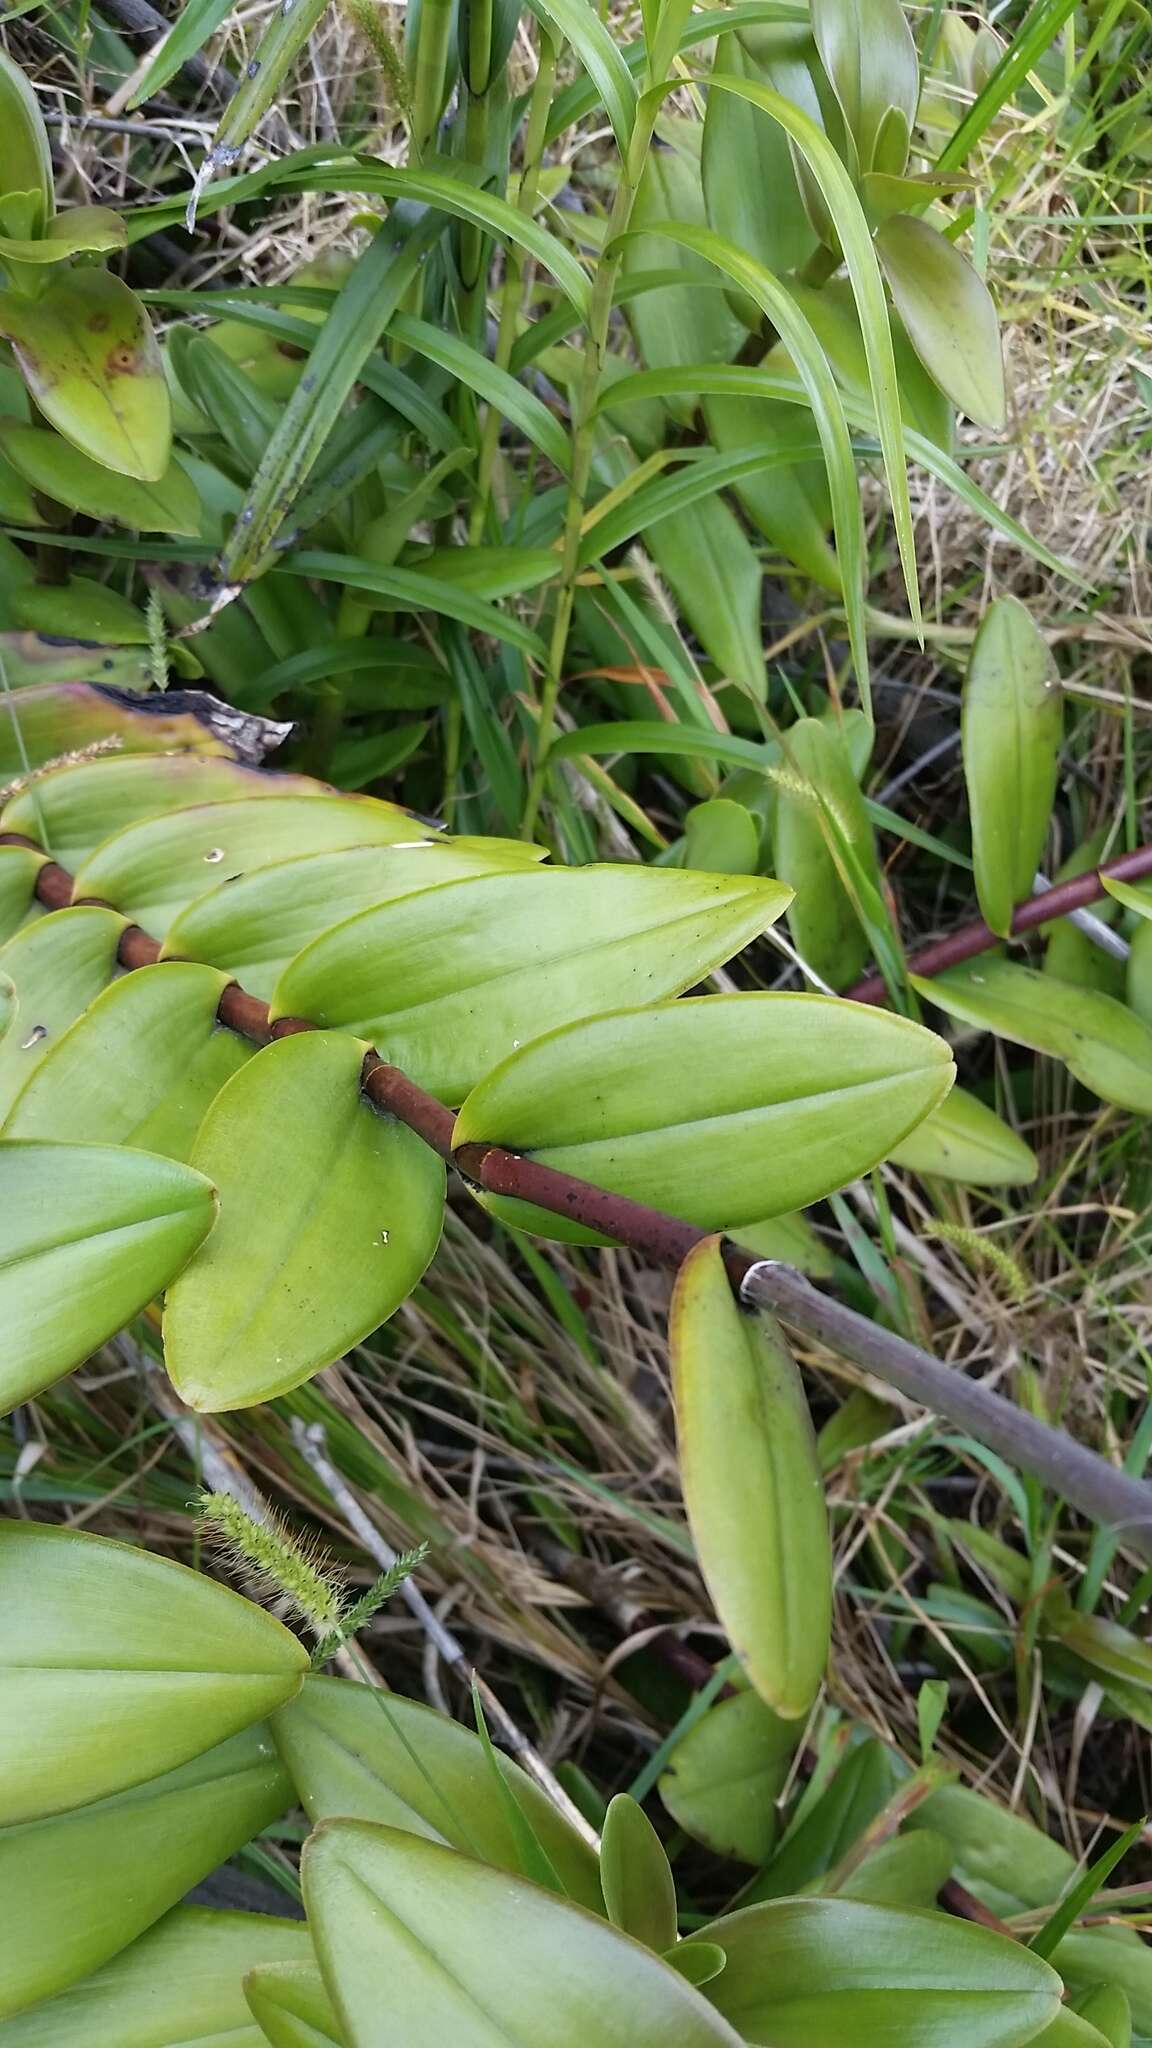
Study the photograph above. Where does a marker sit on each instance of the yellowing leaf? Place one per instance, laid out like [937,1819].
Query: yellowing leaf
[92,363]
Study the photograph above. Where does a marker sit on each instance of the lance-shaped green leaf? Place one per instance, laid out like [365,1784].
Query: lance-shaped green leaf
[639,1889]
[599,52]
[188,1970]
[743,157]
[285,33]
[198,20]
[25,152]
[91,361]
[419,1943]
[283,1287]
[862,1783]
[964,1140]
[408,1767]
[1115,1956]
[80,609]
[1132,898]
[948,311]
[1100,1041]
[1004,1858]
[19,867]
[58,470]
[725,1775]
[868,53]
[689,322]
[715,574]
[89,1234]
[139,1068]
[1106,2007]
[79,1887]
[291,2005]
[822,838]
[1068,2030]
[154,868]
[259,923]
[74,810]
[116,1666]
[722,1109]
[804,1970]
[752,1485]
[448,982]
[1012,722]
[467,366]
[57,966]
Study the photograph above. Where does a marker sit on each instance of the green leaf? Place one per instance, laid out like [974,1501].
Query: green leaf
[721,1109]
[19,867]
[752,1486]
[996,1852]
[197,21]
[948,311]
[448,982]
[690,322]
[79,609]
[409,1767]
[867,50]
[419,1942]
[467,366]
[191,1963]
[1012,722]
[722,838]
[291,2005]
[598,51]
[743,157]
[25,152]
[79,1887]
[139,1068]
[821,825]
[1106,2008]
[1135,899]
[1090,1881]
[907,1870]
[1099,1040]
[725,1775]
[1119,1957]
[828,1822]
[285,32]
[74,810]
[154,868]
[283,1288]
[89,1235]
[259,922]
[715,574]
[639,1889]
[966,1141]
[116,1666]
[81,230]
[416,590]
[57,966]
[91,361]
[804,1970]
[1107,1648]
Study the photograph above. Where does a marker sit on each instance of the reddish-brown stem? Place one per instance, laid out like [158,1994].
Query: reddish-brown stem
[978,937]
[1087,1481]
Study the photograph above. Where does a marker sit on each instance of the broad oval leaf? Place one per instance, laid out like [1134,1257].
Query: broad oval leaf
[722,837]
[291,2005]
[139,1068]
[805,1970]
[19,867]
[448,982]
[93,365]
[116,1666]
[82,230]
[1012,721]
[867,50]
[964,1140]
[1100,1041]
[752,1484]
[411,1768]
[154,868]
[721,1109]
[79,1887]
[724,1776]
[743,157]
[285,1285]
[188,1970]
[906,1870]
[57,966]
[419,1943]
[58,470]
[635,1876]
[948,311]
[76,809]
[258,924]
[1004,1858]
[88,1235]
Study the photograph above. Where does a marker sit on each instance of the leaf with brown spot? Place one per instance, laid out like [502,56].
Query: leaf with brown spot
[92,363]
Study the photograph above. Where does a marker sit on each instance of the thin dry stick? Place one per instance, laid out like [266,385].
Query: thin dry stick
[312,1445]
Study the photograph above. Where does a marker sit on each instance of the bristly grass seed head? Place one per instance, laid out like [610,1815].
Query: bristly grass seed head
[296,1576]
[379,1593]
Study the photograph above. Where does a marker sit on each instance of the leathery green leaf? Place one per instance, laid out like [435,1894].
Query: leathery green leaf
[25,154]
[116,1665]
[722,1109]
[283,1287]
[154,868]
[139,1068]
[752,1485]
[1106,2008]
[725,1775]
[188,1970]
[89,1234]
[448,982]
[82,806]
[257,924]
[419,1942]
[54,467]
[639,1889]
[1132,899]
[867,50]
[713,569]
[820,814]
[599,52]
[80,1886]
[682,323]
[409,1767]
[1011,725]
[948,311]
[966,1141]
[92,363]
[19,867]
[80,231]
[804,1970]
[1100,1041]
[743,157]
[57,966]
[291,2005]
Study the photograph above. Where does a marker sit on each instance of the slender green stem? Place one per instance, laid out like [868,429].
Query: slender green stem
[584,439]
